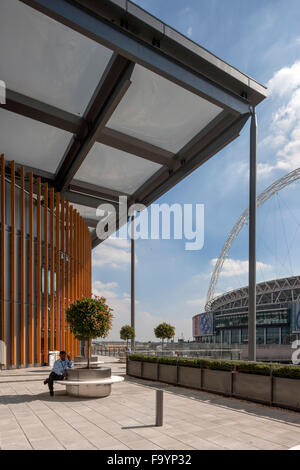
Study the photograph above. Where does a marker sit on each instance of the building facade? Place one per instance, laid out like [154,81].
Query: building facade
[277,318]
[45,264]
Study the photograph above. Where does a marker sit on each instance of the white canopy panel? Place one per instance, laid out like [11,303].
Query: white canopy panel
[160,112]
[30,142]
[43,59]
[115,169]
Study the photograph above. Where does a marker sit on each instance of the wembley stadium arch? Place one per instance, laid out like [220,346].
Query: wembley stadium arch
[225,320]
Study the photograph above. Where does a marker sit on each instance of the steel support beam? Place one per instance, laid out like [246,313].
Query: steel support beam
[252,241]
[132,298]
[89,24]
[96,191]
[42,112]
[162,181]
[136,147]
[111,89]
[55,117]
[88,201]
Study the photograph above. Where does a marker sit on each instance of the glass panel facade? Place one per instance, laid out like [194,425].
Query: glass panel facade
[260,335]
[262,318]
[285,335]
[160,112]
[112,168]
[235,336]
[244,335]
[37,144]
[272,335]
[226,337]
[45,60]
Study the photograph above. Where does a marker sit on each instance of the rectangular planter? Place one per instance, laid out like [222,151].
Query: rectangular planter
[134,368]
[189,377]
[149,370]
[286,392]
[252,387]
[216,381]
[167,373]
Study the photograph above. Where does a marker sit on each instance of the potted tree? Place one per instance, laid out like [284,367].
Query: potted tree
[126,333]
[164,331]
[89,318]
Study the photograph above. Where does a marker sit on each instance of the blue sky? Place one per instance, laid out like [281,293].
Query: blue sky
[262,39]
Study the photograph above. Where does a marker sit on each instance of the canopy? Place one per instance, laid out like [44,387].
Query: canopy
[105,100]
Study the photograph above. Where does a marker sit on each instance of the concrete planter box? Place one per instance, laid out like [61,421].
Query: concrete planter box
[167,373]
[149,370]
[189,377]
[252,387]
[286,392]
[134,368]
[216,381]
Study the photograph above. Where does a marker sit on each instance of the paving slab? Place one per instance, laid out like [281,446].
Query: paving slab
[31,419]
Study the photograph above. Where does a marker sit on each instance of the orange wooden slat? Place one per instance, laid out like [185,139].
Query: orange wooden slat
[22,268]
[72,272]
[31,264]
[38,272]
[3,323]
[51,266]
[46,318]
[62,277]
[57,271]
[13,268]
[67,273]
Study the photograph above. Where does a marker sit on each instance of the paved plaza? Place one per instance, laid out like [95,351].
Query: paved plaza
[31,419]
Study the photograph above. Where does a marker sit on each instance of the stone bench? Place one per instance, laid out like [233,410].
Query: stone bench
[90,382]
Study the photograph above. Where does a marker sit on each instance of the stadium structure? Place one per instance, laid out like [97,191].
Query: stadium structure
[224,323]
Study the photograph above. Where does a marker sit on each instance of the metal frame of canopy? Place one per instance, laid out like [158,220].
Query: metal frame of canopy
[138,39]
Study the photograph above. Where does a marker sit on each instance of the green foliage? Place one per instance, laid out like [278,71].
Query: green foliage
[253,368]
[127,332]
[289,372]
[89,318]
[182,361]
[141,358]
[164,331]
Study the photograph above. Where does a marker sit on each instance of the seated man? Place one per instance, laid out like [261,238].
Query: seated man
[59,371]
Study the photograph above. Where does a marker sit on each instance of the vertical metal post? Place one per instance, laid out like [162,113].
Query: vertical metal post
[252,241]
[159,408]
[132,278]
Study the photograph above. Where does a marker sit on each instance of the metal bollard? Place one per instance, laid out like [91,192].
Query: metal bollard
[159,407]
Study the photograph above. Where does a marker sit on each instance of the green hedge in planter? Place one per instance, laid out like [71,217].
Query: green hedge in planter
[253,368]
[286,372]
[289,372]
[203,363]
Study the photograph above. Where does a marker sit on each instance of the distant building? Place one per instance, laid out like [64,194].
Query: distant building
[225,323]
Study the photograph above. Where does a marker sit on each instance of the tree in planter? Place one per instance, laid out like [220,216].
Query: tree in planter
[89,318]
[164,331]
[126,333]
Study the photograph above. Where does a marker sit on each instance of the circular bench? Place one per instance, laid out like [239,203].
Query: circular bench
[90,382]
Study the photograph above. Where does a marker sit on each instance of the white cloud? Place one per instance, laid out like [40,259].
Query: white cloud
[285,80]
[284,136]
[190,31]
[112,252]
[235,267]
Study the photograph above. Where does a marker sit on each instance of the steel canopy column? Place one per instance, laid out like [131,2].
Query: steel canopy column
[252,241]
[132,278]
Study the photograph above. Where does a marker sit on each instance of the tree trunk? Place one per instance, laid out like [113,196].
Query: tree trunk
[88,354]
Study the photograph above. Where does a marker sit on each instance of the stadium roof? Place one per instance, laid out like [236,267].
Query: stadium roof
[275,291]
[105,100]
